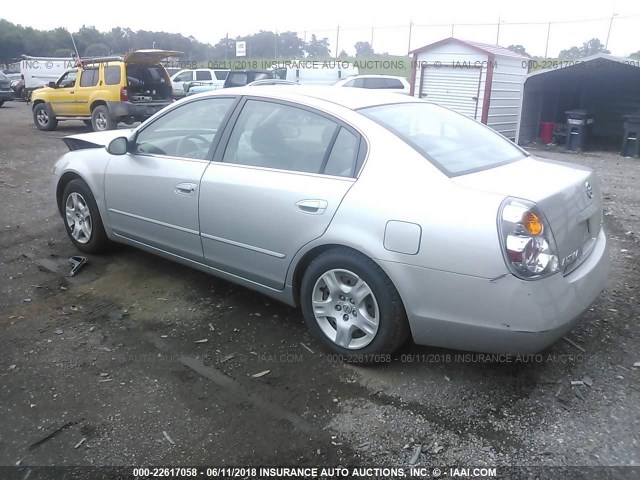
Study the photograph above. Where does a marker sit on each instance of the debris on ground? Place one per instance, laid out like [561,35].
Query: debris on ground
[58,331]
[306,347]
[588,381]
[77,445]
[166,435]
[416,455]
[576,382]
[573,344]
[50,436]
[77,262]
[204,340]
[261,374]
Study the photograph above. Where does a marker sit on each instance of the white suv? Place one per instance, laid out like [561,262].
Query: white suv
[383,82]
[201,75]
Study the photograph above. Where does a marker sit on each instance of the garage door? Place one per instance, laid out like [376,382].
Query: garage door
[455,88]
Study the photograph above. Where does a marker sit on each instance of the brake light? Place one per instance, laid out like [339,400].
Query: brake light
[528,245]
[124,94]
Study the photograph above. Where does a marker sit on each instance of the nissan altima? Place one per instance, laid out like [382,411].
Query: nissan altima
[381,216]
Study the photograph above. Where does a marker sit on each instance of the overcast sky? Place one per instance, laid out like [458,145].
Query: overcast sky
[209,21]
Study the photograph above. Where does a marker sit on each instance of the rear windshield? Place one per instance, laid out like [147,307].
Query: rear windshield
[452,142]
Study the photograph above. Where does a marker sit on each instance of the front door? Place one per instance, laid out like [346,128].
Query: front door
[62,98]
[152,192]
[275,187]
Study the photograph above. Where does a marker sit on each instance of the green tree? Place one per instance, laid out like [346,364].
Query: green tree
[591,47]
[317,48]
[97,50]
[519,49]
[364,49]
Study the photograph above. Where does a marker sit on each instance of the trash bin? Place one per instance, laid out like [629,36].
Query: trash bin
[631,137]
[578,127]
[546,131]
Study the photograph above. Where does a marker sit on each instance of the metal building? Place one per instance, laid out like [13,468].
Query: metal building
[605,86]
[476,79]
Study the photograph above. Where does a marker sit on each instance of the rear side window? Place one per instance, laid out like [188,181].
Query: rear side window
[452,142]
[393,83]
[221,74]
[112,75]
[342,160]
[281,136]
[203,75]
[373,83]
[89,77]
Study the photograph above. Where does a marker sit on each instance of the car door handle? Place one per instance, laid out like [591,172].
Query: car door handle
[186,188]
[312,207]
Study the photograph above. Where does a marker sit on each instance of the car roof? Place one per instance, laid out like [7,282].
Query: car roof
[351,98]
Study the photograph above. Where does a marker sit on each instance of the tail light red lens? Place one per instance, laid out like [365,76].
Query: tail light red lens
[124,94]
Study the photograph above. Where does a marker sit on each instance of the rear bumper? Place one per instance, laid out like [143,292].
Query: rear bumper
[138,111]
[504,315]
[7,95]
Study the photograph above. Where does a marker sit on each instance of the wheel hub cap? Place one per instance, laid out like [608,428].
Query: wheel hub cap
[78,218]
[345,309]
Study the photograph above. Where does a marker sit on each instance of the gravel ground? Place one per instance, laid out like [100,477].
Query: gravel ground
[112,355]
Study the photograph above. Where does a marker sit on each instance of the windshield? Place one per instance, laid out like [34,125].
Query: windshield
[452,142]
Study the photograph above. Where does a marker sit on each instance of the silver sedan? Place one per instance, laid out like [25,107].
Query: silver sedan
[382,216]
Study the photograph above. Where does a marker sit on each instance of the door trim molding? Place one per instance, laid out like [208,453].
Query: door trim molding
[244,245]
[156,222]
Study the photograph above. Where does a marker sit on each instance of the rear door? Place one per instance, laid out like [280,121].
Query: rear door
[281,174]
[89,77]
[152,192]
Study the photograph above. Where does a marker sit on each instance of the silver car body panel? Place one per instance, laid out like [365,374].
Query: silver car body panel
[436,237]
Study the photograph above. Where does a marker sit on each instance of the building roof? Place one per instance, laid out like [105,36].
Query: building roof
[483,47]
[596,60]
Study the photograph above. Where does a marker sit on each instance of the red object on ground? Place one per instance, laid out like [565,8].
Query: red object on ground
[546,131]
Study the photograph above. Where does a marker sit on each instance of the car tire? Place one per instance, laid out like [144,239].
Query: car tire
[101,119]
[42,118]
[343,290]
[82,218]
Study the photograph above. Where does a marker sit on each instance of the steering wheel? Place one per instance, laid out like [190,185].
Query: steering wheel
[188,145]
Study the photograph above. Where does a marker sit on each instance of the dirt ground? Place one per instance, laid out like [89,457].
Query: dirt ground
[113,356]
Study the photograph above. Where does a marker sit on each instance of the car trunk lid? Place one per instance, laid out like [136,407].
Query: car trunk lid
[568,195]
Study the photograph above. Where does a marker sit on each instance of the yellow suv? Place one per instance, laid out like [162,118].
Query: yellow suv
[105,91]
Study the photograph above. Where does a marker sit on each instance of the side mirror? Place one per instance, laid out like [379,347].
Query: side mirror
[118,146]
[52,84]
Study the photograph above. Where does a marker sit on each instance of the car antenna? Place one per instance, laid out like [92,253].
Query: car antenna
[78,59]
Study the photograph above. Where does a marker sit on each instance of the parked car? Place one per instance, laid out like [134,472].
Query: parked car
[38,72]
[105,91]
[380,215]
[382,82]
[196,88]
[203,76]
[6,93]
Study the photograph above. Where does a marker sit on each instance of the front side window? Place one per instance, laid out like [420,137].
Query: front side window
[68,80]
[187,131]
[89,77]
[454,143]
[184,77]
[275,135]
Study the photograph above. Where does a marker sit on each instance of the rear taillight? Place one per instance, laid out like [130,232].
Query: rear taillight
[527,241]
[124,94]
